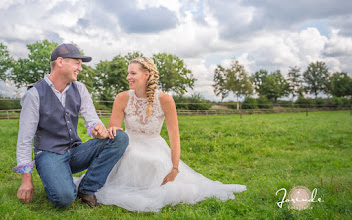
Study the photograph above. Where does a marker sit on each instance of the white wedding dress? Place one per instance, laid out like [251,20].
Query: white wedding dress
[135,181]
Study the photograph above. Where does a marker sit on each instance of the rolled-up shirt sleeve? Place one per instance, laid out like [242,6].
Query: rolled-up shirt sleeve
[87,109]
[28,124]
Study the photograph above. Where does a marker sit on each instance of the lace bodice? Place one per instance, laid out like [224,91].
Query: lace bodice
[136,119]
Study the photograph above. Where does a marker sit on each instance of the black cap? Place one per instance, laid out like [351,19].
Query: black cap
[68,51]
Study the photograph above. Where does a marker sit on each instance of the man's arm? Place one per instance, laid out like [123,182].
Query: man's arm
[29,119]
[95,128]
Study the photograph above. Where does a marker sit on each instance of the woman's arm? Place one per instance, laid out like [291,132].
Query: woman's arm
[117,114]
[169,108]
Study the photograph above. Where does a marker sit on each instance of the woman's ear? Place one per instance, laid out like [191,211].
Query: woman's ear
[147,75]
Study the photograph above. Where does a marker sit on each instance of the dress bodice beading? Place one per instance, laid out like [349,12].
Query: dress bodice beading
[136,119]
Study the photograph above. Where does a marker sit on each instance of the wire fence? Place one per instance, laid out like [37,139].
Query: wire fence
[217,110]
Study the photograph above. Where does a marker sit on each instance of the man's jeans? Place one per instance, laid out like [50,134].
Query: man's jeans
[97,155]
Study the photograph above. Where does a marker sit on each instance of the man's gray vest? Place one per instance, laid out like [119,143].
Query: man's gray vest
[57,127]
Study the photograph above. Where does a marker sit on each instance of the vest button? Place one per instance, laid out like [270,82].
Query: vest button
[71,139]
[68,121]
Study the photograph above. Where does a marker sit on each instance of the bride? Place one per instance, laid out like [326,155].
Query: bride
[150,176]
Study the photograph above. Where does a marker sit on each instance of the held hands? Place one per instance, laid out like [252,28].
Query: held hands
[170,177]
[99,131]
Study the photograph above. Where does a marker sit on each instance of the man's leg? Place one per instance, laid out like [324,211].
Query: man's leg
[55,172]
[98,156]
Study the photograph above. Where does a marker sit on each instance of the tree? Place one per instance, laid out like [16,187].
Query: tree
[220,83]
[258,79]
[234,79]
[28,71]
[316,78]
[86,76]
[237,80]
[272,86]
[295,82]
[110,77]
[173,73]
[340,85]
[6,61]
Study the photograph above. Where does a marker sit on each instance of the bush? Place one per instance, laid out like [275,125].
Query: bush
[333,102]
[7,103]
[250,103]
[101,106]
[195,102]
[346,102]
[231,104]
[302,102]
[263,102]
[319,102]
[284,103]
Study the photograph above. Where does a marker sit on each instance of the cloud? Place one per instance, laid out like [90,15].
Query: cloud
[264,34]
[135,20]
[242,19]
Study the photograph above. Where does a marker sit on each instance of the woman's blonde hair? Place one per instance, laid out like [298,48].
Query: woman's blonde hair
[147,64]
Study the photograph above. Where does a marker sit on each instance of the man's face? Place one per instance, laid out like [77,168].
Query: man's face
[71,68]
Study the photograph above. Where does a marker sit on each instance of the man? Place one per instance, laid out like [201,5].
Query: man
[49,114]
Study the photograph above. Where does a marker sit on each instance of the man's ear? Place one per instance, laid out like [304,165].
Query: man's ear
[59,61]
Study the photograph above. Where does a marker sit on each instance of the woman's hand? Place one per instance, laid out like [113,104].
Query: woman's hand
[170,177]
[112,131]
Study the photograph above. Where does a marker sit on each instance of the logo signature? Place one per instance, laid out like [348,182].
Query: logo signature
[299,198]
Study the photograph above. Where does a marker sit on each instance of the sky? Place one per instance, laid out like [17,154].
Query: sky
[260,34]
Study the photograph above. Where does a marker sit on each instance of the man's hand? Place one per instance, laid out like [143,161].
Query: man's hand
[100,132]
[26,191]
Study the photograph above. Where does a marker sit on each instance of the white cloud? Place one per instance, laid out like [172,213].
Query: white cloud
[204,34]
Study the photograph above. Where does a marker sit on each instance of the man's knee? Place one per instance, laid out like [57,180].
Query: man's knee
[121,139]
[64,198]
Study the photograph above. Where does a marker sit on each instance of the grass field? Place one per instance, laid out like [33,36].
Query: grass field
[265,152]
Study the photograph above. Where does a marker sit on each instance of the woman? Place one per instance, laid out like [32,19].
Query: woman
[150,175]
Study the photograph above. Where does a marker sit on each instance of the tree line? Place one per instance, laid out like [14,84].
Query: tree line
[315,80]
[108,78]
[104,81]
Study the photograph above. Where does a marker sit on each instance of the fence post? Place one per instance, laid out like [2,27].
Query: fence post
[307,110]
[350,110]
[240,110]
[7,114]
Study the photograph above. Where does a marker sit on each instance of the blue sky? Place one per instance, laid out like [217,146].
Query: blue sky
[269,34]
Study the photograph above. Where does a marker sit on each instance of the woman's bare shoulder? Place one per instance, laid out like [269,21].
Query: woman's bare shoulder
[167,102]
[122,98]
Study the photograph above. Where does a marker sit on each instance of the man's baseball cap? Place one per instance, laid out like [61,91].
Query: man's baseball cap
[68,51]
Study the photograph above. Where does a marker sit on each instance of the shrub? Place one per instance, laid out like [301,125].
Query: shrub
[302,102]
[7,103]
[195,102]
[250,103]
[231,104]
[263,102]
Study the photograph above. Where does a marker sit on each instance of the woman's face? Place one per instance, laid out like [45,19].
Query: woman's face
[137,77]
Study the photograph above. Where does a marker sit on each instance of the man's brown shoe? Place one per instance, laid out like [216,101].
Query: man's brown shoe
[90,200]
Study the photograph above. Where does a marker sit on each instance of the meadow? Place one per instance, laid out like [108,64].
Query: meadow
[264,152]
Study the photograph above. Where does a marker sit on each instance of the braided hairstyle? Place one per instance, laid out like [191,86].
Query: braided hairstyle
[147,64]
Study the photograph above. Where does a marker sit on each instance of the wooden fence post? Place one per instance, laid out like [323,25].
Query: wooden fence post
[307,110]
[240,110]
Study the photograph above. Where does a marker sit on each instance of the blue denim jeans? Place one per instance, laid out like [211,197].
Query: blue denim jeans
[97,155]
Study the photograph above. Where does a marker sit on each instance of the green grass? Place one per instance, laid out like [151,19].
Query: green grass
[265,152]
